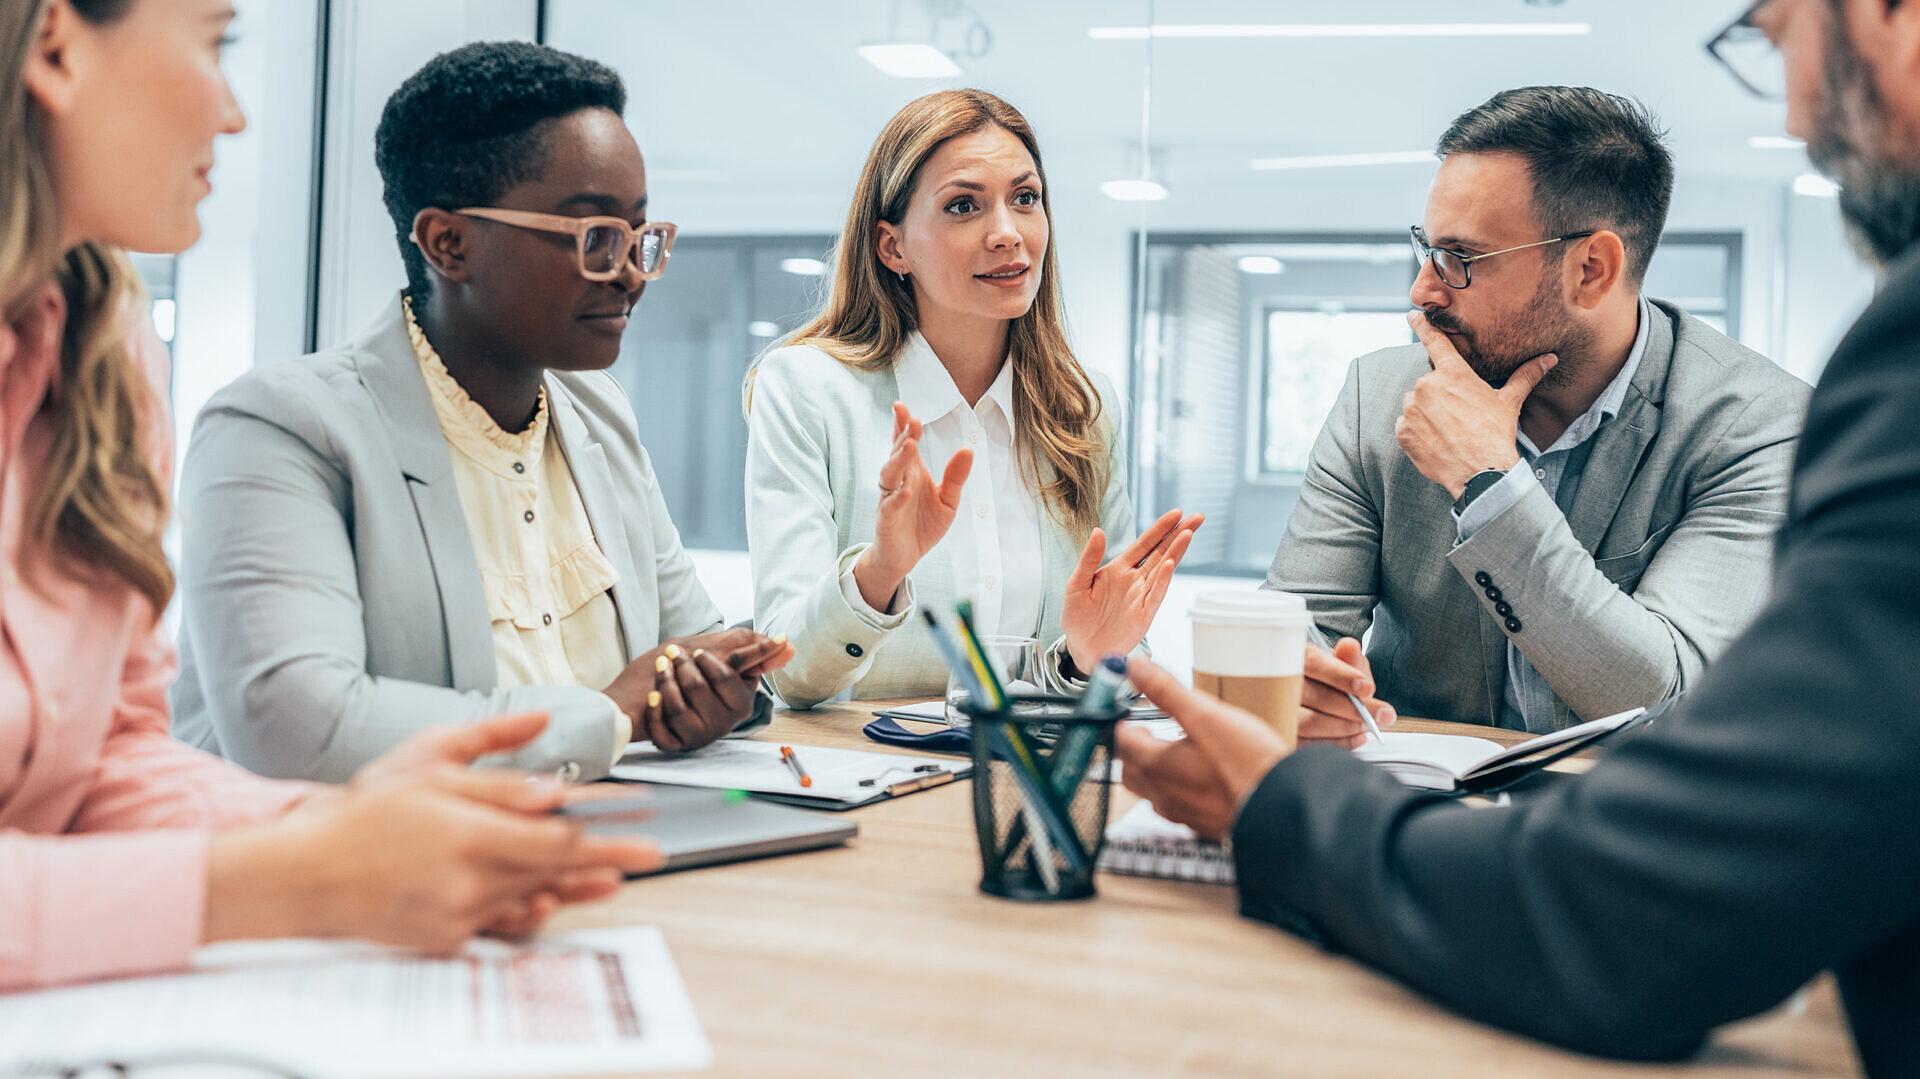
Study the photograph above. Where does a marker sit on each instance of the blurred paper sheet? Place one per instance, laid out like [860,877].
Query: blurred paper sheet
[584,1002]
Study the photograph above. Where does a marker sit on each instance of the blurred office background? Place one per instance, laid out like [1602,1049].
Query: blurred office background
[1231,179]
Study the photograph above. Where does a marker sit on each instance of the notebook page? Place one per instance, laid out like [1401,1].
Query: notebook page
[741,764]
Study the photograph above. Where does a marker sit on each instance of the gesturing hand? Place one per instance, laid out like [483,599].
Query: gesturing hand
[1452,424]
[1200,780]
[1107,609]
[914,512]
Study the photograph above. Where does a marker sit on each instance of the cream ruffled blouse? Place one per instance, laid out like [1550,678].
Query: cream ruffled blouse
[544,575]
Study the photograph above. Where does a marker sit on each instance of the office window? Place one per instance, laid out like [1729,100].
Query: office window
[1248,341]
[722,302]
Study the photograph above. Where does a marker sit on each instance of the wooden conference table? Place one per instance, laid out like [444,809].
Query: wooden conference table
[883,957]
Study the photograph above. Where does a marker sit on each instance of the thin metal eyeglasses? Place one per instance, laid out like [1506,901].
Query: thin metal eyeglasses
[603,246]
[1456,270]
[1749,57]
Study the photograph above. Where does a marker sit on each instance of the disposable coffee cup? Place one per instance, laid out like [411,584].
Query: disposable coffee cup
[1249,649]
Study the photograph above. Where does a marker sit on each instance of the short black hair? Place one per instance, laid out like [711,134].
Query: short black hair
[467,127]
[1598,160]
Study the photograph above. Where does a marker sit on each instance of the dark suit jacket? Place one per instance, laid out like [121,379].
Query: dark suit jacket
[1766,829]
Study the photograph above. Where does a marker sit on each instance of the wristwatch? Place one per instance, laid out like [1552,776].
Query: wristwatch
[1477,485]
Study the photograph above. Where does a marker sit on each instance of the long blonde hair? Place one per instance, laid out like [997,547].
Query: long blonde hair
[98,503]
[870,313]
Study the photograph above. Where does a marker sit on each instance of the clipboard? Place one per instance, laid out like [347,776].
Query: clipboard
[842,778]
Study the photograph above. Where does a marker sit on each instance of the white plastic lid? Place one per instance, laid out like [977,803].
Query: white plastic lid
[1249,607]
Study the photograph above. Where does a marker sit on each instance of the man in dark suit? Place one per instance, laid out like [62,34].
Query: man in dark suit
[1760,832]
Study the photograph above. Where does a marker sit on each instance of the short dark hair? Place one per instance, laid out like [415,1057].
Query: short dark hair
[467,127]
[1598,160]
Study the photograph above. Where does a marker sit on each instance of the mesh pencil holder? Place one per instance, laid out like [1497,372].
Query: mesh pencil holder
[1040,820]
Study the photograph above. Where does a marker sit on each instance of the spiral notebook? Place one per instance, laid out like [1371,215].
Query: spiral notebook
[1142,843]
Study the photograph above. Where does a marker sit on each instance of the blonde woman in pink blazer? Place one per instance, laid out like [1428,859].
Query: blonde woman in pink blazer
[120,849]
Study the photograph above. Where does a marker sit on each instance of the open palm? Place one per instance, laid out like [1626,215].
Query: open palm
[915,512]
[1107,609]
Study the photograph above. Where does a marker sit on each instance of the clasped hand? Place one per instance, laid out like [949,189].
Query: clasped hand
[688,692]
[1452,424]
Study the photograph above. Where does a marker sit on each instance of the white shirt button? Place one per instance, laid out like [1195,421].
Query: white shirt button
[982,512]
[974,438]
[992,582]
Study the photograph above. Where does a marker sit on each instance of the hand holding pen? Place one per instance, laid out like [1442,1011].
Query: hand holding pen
[1336,702]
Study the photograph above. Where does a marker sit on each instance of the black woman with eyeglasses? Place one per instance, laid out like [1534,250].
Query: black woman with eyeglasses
[452,516]
[1557,506]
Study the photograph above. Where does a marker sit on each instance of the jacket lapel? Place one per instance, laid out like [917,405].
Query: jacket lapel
[1620,445]
[392,376]
[587,460]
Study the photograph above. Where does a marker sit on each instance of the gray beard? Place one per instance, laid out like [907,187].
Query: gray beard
[1879,195]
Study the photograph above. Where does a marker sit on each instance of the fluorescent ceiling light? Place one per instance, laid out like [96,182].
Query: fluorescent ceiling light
[1431,29]
[1775,142]
[910,60]
[1342,161]
[1134,190]
[804,267]
[763,328]
[1814,185]
[1261,264]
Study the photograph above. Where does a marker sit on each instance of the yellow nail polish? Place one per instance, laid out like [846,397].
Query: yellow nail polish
[779,638]
[660,663]
[698,652]
[653,699]
[673,651]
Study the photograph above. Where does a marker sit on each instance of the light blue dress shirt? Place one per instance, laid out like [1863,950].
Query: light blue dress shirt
[1527,703]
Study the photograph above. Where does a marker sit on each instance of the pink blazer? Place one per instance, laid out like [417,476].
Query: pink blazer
[104,818]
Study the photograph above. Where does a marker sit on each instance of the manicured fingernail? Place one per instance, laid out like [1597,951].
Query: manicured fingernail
[779,638]
[698,652]
[653,699]
[673,651]
[661,663]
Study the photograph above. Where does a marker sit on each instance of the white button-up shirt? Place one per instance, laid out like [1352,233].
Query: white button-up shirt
[994,543]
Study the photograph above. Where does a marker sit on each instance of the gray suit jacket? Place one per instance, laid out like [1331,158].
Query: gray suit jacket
[332,599]
[1619,604]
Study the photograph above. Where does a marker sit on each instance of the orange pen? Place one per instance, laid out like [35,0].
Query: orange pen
[793,764]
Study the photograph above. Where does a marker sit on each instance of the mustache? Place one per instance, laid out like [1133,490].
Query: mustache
[1440,319]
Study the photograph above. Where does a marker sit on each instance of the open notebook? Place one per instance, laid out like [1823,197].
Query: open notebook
[1455,762]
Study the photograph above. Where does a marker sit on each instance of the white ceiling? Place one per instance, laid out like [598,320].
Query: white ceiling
[771,94]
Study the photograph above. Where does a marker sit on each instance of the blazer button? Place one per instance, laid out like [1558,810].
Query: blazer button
[1494,594]
[855,650]
[1482,579]
[1513,625]
[1503,609]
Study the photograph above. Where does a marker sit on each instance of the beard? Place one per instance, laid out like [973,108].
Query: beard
[1497,349]
[1854,145]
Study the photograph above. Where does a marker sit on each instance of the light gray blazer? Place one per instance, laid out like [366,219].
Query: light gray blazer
[332,600]
[817,433]
[1619,604]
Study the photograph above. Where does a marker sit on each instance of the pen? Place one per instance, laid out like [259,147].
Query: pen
[989,679]
[793,765]
[950,654]
[1320,640]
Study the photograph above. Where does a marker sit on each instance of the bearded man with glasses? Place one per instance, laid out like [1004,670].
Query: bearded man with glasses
[1558,506]
[1762,830]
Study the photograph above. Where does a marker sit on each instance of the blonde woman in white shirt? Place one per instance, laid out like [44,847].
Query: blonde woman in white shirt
[942,340]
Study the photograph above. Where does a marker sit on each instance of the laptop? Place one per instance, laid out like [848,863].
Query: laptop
[697,826]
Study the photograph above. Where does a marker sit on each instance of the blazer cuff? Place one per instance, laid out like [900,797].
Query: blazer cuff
[1498,562]
[582,735]
[857,604]
[835,636]
[1054,678]
[1496,500]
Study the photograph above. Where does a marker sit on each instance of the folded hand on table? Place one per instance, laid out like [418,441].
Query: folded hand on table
[700,688]
[418,850]
[1201,780]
